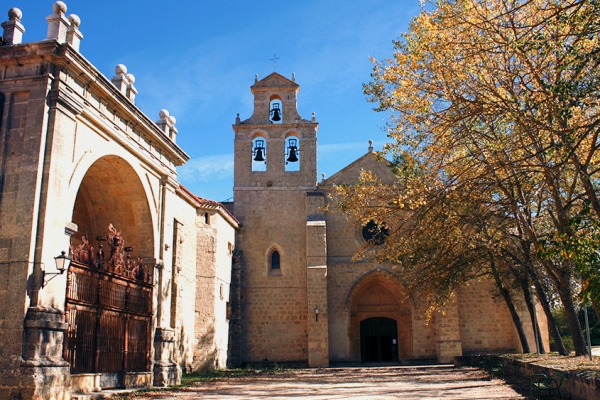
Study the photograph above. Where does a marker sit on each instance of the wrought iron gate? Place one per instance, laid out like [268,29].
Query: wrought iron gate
[109,312]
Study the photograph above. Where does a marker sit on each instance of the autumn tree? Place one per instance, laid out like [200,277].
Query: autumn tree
[502,97]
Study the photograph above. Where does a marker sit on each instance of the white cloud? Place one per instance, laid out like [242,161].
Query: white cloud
[206,169]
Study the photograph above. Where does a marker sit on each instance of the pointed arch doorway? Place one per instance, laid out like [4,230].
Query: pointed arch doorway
[380,328]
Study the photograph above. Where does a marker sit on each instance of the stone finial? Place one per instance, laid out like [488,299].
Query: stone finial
[166,123]
[237,119]
[131,90]
[293,77]
[322,176]
[124,82]
[74,35]
[13,29]
[58,24]
[256,78]
[59,7]
[370,146]
[313,118]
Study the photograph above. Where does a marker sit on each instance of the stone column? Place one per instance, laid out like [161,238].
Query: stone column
[44,372]
[166,370]
[316,281]
[449,344]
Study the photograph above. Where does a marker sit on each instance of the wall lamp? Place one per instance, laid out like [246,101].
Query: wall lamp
[62,264]
[317,313]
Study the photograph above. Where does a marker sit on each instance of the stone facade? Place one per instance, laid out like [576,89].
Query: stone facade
[269,277]
[364,312]
[78,156]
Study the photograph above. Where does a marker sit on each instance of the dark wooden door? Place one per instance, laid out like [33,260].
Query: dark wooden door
[379,340]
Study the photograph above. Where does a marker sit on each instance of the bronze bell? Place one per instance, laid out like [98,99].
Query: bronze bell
[258,151]
[292,151]
[292,157]
[259,155]
[275,113]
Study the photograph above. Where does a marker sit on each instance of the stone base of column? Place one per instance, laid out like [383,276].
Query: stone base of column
[43,373]
[447,350]
[166,371]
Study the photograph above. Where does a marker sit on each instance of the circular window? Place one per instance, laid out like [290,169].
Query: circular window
[374,233]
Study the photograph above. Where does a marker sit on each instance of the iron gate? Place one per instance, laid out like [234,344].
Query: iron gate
[109,312]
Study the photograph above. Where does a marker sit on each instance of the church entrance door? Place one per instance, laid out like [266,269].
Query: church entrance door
[379,340]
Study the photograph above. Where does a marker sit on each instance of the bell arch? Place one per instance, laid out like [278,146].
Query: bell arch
[380,315]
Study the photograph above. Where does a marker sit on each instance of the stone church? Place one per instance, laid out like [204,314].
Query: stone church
[104,254]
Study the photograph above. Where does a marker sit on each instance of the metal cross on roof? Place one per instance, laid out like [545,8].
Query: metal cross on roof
[274,59]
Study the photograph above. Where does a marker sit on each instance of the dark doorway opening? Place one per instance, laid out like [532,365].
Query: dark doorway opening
[379,340]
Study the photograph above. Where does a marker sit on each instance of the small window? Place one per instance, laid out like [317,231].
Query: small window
[227,311]
[206,218]
[221,292]
[275,260]
[229,248]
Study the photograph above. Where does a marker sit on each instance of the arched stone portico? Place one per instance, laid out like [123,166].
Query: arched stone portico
[379,295]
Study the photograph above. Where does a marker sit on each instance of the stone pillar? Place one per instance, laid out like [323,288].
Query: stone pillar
[13,29]
[449,344]
[74,36]
[166,371]
[316,281]
[58,24]
[44,372]
[124,82]
[234,356]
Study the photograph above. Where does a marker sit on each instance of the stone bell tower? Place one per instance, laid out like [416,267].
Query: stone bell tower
[282,239]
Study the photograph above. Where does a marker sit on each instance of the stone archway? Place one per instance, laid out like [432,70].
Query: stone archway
[109,293]
[380,319]
[111,192]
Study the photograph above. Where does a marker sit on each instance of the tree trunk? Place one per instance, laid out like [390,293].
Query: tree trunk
[511,307]
[560,346]
[564,292]
[533,315]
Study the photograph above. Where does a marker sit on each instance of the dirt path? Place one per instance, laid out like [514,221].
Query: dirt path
[352,383]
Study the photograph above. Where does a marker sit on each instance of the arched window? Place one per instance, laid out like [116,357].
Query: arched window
[275,260]
[275,111]
[259,154]
[292,154]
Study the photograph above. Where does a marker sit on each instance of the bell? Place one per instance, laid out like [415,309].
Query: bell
[276,116]
[275,113]
[292,157]
[259,155]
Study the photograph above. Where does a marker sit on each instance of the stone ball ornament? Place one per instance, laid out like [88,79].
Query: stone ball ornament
[120,69]
[15,14]
[75,20]
[163,114]
[59,7]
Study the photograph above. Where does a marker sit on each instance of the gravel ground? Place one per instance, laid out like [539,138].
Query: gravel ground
[352,383]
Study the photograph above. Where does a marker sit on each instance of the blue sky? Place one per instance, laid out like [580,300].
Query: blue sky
[198,59]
